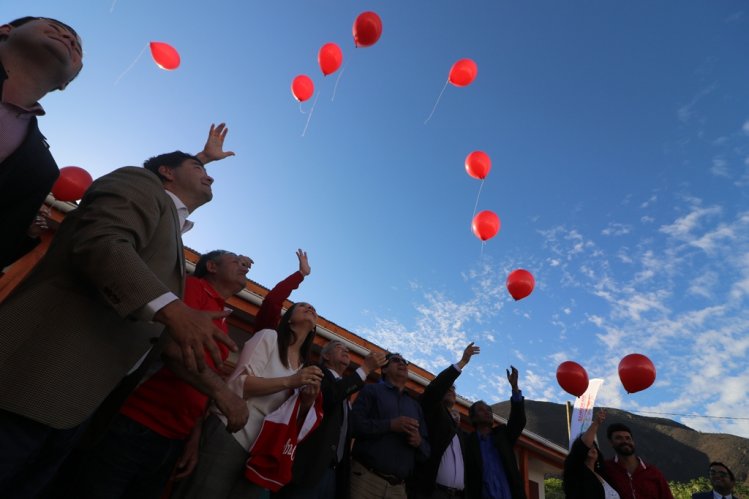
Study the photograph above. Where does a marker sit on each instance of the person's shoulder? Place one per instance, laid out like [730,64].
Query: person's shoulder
[269,335]
[131,175]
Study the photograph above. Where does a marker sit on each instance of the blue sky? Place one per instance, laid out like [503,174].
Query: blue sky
[619,135]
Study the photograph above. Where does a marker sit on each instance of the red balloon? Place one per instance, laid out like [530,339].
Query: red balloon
[72,183]
[302,88]
[463,73]
[636,372]
[329,58]
[572,377]
[165,55]
[520,283]
[478,164]
[367,29]
[485,225]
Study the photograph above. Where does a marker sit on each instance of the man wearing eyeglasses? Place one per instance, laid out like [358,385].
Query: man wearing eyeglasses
[723,481]
[390,432]
[37,56]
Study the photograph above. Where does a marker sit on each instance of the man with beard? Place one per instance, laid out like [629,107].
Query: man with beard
[628,473]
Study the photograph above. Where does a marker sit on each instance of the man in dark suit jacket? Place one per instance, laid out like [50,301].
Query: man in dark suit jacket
[37,56]
[722,480]
[442,475]
[493,466]
[321,466]
[92,309]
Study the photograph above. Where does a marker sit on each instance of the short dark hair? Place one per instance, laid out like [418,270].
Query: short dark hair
[201,268]
[170,159]
[718,463]
[27,19]
[472,409]
[617,427]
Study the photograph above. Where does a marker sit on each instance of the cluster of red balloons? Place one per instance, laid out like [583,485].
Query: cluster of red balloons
[72,183]
[636,372]
[367,30]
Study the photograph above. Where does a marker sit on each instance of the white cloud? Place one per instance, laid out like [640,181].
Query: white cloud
[719,168]
[745,127]
[616,229]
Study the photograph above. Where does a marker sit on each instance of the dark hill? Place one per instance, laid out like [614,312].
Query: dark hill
[679,451]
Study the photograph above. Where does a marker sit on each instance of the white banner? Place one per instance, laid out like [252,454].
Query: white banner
[582,414]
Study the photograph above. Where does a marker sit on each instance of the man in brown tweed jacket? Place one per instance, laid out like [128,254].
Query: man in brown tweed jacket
[95,305]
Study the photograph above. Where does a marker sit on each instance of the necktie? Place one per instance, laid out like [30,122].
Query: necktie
[344,430]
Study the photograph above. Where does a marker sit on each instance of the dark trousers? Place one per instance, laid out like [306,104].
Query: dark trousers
[30,454]
[130,461]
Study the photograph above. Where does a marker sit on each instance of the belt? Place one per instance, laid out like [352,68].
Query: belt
[391,479]
[451,492]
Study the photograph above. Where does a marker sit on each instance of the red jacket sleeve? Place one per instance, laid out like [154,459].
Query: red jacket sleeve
[269,314]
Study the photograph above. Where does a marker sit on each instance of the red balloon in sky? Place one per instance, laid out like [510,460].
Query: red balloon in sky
[478,164]
[572,377]
[165,55]
[520,283]
[636,372]
[463,73]
[367,29]
[72,183]
[302,88]
[329,58]
[485,225]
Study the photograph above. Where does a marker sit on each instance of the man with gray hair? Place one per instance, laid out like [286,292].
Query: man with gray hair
[321,469]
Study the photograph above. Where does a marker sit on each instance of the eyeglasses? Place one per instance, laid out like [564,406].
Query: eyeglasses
[721,474]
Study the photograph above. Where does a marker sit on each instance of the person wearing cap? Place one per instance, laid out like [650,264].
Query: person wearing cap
[390,434]
[722,480]
[322,463]
[443,474]
[628,473]
[492,470]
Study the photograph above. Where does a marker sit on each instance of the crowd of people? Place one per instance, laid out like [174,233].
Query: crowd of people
[113,373]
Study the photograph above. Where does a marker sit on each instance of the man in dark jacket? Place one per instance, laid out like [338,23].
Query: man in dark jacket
[37,56]
[493,470]
[443,474]
[321,466]
[722,480]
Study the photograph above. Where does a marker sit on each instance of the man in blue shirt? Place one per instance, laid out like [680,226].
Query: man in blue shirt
[390,432]
[492,470]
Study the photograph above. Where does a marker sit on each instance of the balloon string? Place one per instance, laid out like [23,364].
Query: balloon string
[335,87]
[111,9]
[312,109]
[438,101]
[477,199]
[300,108]
[131,65]
[483,243]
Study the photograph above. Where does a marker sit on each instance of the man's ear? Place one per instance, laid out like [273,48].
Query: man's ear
[166,172]
[5,30]
[211,266]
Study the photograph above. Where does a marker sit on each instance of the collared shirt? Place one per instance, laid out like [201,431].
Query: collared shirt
[182,213]
[343,430]
[14,122]
[720,496]
[495,484]
[375,445]
[451,470]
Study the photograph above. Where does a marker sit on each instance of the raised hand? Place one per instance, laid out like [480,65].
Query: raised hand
[214,146]
[469,352]
[304,267]
[373,361]
[512,377]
